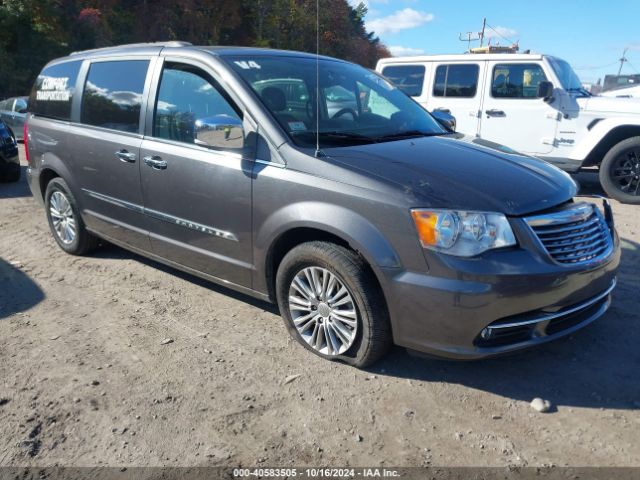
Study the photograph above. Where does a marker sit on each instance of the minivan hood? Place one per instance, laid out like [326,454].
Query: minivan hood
[461,172]
[612,105]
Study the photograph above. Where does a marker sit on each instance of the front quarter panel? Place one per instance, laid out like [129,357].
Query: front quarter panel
[285,199]
[599,132]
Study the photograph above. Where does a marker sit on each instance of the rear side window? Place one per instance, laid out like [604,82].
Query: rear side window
[408,78]
[456,81]
[516,80]
[53,91]
[112,95]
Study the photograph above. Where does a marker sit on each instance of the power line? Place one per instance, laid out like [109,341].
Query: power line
[596,67]
[632,66]
[500,35]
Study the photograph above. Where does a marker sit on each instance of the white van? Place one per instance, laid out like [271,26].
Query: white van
[531,103]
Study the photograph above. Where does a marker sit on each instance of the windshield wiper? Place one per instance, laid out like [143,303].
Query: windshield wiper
[337,134]
[579,90]
[410,134]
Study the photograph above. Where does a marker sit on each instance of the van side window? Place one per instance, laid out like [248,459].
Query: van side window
[516,80]
[456,81]
[112,95]
[53,91]
[187,94]
[408,78]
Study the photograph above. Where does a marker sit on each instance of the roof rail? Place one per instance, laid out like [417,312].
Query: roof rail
[172,43]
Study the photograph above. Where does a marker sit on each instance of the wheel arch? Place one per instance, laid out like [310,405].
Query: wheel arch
[608,140]
[334,224]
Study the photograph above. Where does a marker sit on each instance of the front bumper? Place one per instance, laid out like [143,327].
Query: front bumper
[497,303]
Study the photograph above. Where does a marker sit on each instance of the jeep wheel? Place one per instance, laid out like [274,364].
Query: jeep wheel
[332,305]
[620,171]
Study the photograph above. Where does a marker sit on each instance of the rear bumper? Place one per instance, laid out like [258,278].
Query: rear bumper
[519,307]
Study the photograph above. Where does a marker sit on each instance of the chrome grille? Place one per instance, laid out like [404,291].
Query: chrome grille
[575,235]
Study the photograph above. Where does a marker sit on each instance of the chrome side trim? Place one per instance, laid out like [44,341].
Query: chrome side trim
[267,162]
[216,232]
[561,313]
[191,225]
[114,201]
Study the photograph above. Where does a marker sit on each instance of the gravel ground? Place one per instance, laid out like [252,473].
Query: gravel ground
[86,378]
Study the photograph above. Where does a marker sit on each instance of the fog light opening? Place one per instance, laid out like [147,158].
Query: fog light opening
[486,333]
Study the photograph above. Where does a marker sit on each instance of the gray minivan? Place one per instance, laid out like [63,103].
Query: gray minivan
[368,226]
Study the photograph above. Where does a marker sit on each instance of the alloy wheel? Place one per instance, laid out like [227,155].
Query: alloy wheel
[62,218]
[323,311]
[625,172]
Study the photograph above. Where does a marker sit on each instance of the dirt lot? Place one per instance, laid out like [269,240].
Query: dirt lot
[85,379]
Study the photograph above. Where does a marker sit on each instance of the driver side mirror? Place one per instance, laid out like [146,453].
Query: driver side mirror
[545,90]
[219,131]
[445,119]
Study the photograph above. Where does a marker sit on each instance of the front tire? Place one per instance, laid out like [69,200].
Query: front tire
[620,171]
[332,305]
[65,221]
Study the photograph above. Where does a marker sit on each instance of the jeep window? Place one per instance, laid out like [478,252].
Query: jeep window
[408,78]
[186,95]
[456,81]
[516,80]
[356,105]
[112,95]
[53,91]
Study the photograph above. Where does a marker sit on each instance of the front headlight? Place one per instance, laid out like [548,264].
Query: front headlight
[462,233]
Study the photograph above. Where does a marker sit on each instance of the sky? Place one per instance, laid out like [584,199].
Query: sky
[590,34]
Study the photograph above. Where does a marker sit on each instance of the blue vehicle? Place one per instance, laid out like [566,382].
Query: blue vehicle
[9,163]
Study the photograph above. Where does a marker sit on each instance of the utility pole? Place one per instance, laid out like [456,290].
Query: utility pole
[622,60]
[484,25]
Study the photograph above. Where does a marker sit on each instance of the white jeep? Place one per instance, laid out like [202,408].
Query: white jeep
[534,104]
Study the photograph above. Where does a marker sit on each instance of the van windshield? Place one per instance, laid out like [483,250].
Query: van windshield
[355,105]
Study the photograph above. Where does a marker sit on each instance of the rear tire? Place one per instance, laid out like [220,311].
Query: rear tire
[620,171]
[65,221]
[353,326]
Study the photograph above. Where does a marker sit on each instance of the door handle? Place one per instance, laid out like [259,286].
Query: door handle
[495,113]
[125,156]
[443,110]
[155,162]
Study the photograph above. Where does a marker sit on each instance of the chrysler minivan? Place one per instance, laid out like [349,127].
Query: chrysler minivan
[368,225]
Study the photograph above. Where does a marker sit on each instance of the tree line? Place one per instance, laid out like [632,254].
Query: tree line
[32,32]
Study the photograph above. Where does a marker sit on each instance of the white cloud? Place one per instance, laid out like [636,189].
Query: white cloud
[398,21]
[400,51]
[501,33]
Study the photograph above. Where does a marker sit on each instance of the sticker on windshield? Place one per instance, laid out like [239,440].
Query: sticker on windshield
[247,65]
[297,126]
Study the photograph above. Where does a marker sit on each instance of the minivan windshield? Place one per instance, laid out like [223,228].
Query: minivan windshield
[355,106]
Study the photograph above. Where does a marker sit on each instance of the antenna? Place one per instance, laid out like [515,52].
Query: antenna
[317,78]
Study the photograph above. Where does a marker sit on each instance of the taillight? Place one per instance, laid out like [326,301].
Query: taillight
[25,136]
